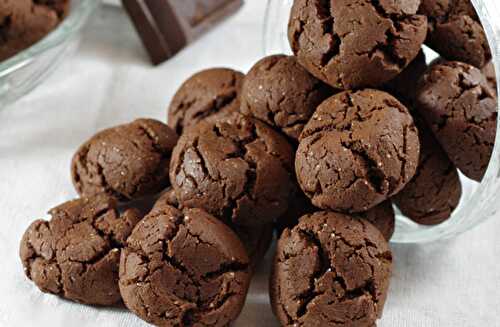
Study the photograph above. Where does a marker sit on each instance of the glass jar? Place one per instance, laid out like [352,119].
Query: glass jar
[480,201]
[26,70]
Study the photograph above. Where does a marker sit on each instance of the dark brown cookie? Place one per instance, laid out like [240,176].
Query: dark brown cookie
[455,31]
[435,191]
[280,92]
[25,22]
[238,170]
[210,93]
[358,149]
[126,162]
[403,86]
[352,44]
[489,72]
[256,240]
[330,270]
[184,268]
[382,217]
[76,254]
[460,107]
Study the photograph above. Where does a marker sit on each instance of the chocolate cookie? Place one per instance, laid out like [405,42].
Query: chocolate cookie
[330,270]
[489,72]
[455,31]
[76,254]
[382,217]
[210,93]
[403,86]
[280,92]
[238,170]
[25,22]
[352,44]
[358,149]
[435,191]
[126,162]
[256,240]
[184,268]
[460,107]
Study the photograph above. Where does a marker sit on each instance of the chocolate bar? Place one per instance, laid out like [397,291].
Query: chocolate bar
[167,26]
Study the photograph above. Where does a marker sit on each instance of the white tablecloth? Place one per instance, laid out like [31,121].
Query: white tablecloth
[454,283]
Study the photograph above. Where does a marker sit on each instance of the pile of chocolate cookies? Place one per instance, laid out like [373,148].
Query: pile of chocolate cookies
[25,22]
[315,148]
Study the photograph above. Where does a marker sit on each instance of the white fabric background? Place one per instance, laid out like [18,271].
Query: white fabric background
[453,283]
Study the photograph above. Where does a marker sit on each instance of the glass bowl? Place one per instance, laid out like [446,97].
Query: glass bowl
[23,72]
[479,200]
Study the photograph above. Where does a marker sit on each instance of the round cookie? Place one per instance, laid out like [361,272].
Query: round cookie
[76,254]
[455,31]
[184,268]
[353,44]
[210,93]
[280,92]
[256,240]
[435,191]
[330,270]
[489,72]
[237,170]
[125,162]
[403,86]
[23,23]
[461,109]
[359,149]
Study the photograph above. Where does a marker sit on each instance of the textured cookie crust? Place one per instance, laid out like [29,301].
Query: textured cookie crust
[455,31]
[435,191]
[211,93]
[184,268]
[125,162]
[330,270]
[359,149]
[460,107]
[280,92]
[237,170]
[356,43]
[76,254]
[256,240]
[25,22]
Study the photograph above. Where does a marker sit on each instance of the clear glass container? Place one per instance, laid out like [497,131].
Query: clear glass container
[23,72]
[480,201]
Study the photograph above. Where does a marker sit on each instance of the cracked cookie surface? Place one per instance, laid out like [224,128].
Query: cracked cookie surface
[489,72]
[358,149]
[25,22]
[184,268]
[126,162]
[356,43]
[209,94]
[455,31]
[238,170]
[461,109]
[330,270]
[280,92]
[76,254]
[256,240]
[435,190]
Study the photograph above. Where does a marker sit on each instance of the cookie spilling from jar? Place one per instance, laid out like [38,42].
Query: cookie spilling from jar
[318,148]
[25,22]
